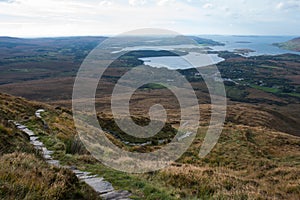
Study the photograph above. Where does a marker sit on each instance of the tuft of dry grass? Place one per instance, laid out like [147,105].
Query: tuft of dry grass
[23,176]
[12,140]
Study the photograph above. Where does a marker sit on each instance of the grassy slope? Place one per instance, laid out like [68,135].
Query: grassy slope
[23,172]
[24,176]
[247,163]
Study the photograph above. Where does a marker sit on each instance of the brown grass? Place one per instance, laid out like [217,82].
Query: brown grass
[23,176]
[251,161]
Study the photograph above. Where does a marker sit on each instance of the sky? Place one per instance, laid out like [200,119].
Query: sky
[44,18]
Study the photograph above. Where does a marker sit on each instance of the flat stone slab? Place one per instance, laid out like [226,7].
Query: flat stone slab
[47,157]
[19,126]
[77,172]
[38,113]
[83,177]
[38,148]
[33,138]
[116,195]
[46,151]
[53,162]
[28,132]
[99,185]
[37,143]
[70,167]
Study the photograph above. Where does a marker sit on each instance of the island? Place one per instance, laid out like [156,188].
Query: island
[243,51]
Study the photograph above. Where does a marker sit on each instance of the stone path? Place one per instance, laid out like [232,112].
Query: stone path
[104,188]
[38,113]
[38,145]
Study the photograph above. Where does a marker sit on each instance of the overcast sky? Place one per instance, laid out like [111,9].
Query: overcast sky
[31,18]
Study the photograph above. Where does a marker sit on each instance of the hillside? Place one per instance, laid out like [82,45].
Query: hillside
[293,44]
[249,162]
[24,174]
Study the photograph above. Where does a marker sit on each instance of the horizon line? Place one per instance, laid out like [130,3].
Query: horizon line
[111,35]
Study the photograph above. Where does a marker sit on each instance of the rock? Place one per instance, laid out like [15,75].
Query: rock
[99,185]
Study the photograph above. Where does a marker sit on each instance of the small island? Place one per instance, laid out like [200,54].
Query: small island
[293,45]
[243,51]
[243,42]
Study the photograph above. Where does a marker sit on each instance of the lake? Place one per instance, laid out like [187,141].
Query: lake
[191,60]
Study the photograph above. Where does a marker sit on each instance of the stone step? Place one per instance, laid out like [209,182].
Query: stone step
[116,195]
[99,185]
[28,132]
[53,162]
[37,143]
[47,157]
[38,113]
[33,138]
[21,127]
[86,177]
[46,151]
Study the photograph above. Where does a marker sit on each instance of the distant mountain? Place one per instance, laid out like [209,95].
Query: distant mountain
[206,42]
[12,42]
[293,44]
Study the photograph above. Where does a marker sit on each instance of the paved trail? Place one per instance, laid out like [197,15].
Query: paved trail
[104,188]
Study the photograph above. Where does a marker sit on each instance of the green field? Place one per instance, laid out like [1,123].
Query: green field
[266,89]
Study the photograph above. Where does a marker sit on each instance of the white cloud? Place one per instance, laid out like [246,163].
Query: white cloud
[98,17]
[137,2]
[164,2]
[105,3]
